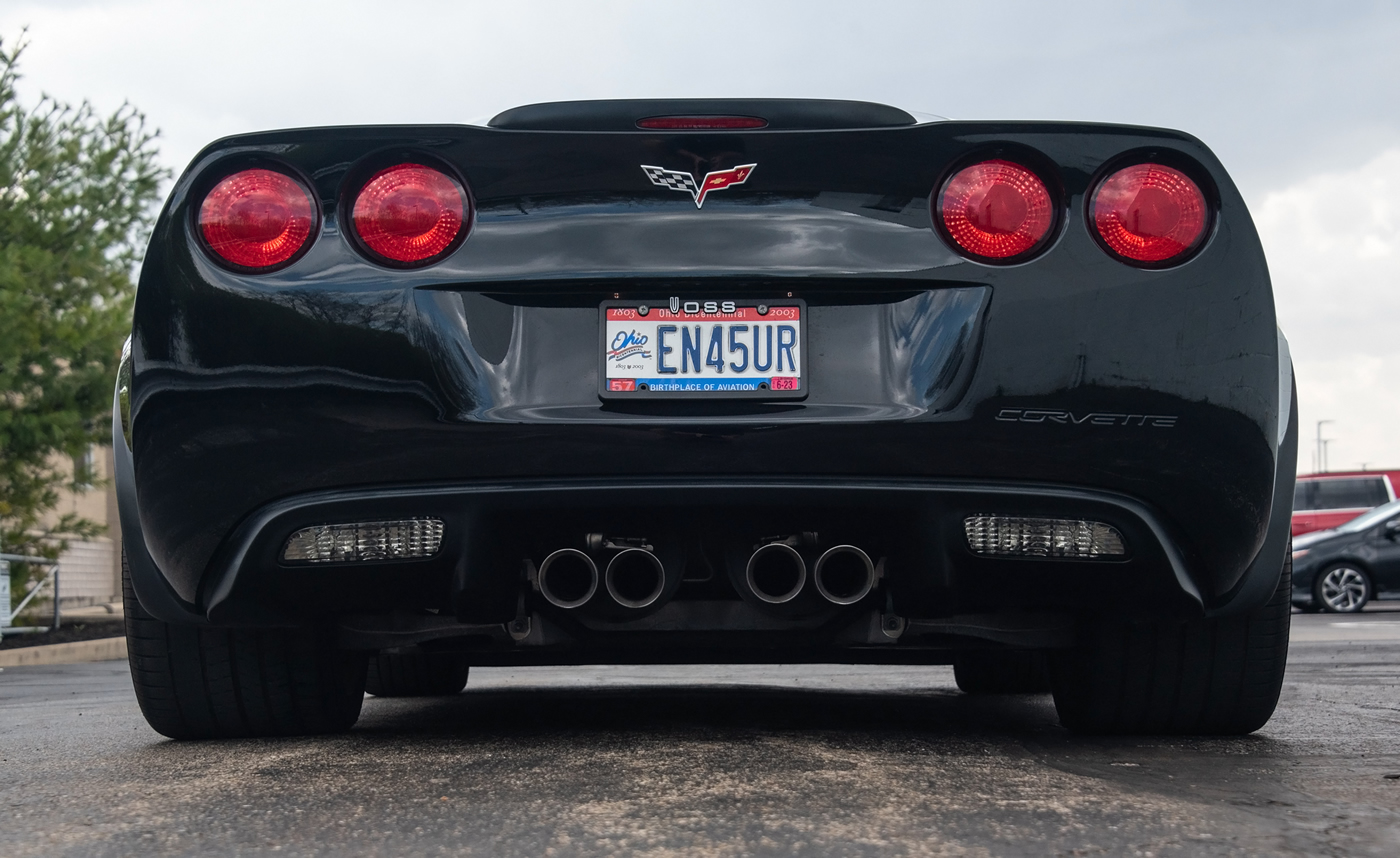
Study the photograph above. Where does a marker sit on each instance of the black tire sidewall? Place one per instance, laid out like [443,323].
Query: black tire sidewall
[205,682]
[1210,676]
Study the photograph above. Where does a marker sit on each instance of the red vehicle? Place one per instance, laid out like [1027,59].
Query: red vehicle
[1324,501]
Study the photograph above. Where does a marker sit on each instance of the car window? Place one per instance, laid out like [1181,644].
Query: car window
[1340,493]
[1372,518]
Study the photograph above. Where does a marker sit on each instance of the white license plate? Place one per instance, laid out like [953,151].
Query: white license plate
[704,349]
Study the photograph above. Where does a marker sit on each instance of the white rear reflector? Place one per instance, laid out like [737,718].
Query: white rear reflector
[1042,537]
[366,540]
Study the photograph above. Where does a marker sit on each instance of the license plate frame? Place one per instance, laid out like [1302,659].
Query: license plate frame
[745,311]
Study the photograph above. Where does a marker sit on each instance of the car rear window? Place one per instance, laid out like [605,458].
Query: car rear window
[1351,493]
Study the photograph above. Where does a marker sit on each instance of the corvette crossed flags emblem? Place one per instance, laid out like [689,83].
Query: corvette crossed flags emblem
[685,182]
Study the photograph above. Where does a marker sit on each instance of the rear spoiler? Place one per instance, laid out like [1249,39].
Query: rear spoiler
[708,114]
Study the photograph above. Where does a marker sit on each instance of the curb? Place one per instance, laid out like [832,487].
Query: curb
[76,652]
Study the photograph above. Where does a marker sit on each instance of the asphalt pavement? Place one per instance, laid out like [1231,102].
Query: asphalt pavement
[715,761]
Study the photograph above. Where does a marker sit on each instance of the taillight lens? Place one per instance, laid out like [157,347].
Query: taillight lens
[257,219]
[996,210]
[1149,213]
[411,214]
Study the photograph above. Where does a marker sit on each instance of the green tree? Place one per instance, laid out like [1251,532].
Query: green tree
[77,194]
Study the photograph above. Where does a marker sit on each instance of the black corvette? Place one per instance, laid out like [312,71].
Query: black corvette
[706,381]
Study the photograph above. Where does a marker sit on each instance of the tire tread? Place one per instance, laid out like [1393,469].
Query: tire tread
[205,683]
[995,671]
[416,673]
[1220,676]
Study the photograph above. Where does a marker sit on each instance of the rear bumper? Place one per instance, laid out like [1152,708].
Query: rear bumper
[889,401]
[913,527]
[493,526]
[934,593]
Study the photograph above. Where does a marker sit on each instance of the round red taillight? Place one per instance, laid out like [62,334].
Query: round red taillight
[996,210]
[411,214]
[1149,213]
[257,219]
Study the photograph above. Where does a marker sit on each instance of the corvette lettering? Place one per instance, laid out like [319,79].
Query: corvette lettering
[685,182]
[1093,418]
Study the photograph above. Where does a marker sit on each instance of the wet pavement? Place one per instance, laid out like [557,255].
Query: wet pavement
[803,760]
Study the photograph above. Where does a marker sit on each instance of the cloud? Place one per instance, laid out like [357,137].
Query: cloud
[1274,86]
[1333,244]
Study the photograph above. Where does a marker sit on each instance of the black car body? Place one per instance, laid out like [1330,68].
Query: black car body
[938,391]
[1340,570]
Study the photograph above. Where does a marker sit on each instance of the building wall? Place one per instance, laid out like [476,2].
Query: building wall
[85,572]
[90,570]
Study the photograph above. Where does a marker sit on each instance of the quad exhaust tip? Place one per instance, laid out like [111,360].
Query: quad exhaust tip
[635,578]
[844,575]
[776,573]
[568,578]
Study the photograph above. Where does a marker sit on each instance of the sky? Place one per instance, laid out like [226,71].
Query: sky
[1301,101]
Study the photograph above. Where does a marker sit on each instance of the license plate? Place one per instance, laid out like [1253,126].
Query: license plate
[687,349]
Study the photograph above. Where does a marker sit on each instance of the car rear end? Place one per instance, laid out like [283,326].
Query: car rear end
[723,381]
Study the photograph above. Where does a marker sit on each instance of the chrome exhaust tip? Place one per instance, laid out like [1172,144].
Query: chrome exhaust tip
[568,578]
[844,575]
[776,573]
[635,578]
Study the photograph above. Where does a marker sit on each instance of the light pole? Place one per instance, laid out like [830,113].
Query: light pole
[1322,447]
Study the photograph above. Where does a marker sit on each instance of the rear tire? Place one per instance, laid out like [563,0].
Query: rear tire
[1207,677]
[993,671]
[417,674]
[197,682]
